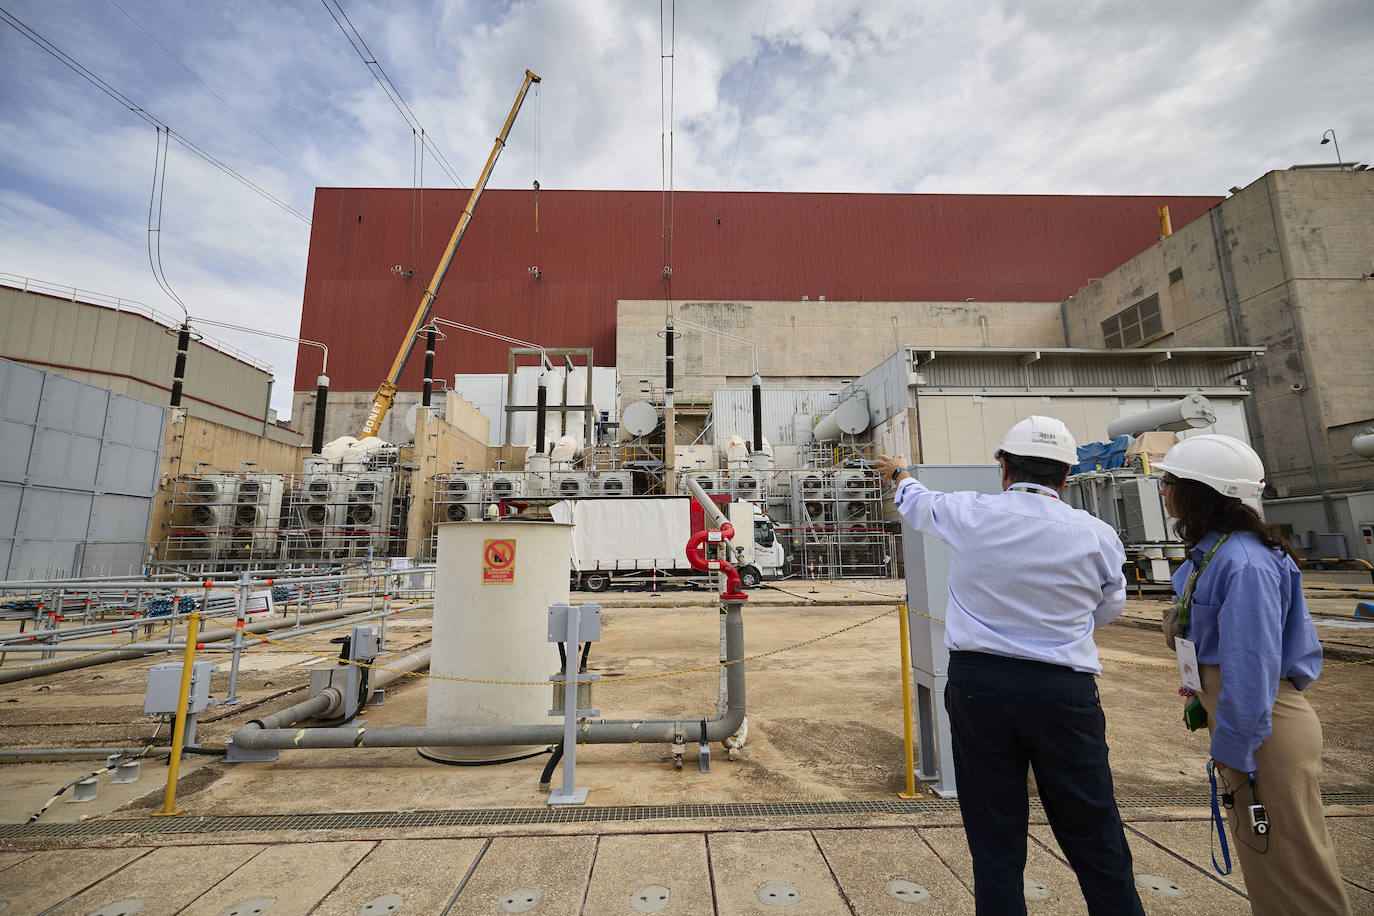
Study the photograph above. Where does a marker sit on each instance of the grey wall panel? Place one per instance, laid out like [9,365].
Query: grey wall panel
[16,444]
[57,409]
[91,407]
[42,559]
[51,514]
[149,422]
[20,389]
[113,517]
[119,419]
[62,458]
[11,497]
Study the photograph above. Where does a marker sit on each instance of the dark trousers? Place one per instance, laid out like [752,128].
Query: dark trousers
[1005,714]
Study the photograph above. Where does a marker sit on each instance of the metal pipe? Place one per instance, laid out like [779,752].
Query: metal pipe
[41,753]
[707,504]
[269,733]
[182,583]
[136,651]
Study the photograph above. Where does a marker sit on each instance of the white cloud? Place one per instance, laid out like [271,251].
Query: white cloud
[941,97]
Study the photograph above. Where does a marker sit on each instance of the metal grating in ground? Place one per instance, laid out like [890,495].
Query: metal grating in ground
[387,820]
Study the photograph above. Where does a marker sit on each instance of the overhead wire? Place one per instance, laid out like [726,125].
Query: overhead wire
[748,96]
[71,63]
[217,96]
[155,224]
[384,80]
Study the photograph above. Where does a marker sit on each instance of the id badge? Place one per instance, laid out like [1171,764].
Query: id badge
[1187,664]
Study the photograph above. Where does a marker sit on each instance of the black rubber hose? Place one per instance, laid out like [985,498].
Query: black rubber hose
[546,778]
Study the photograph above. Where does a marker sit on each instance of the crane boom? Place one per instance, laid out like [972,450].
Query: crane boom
[386,391]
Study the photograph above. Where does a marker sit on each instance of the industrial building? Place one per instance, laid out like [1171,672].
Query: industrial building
[948,315]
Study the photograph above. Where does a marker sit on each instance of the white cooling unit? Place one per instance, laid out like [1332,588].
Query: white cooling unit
[613,483]
[211,513]
[505,486]
[367,514]
[856,485]
[320,511]
[571,485]
[459,512]
[747,485]
[811,484]
[257,513]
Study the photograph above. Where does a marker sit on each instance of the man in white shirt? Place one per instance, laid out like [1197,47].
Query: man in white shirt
[1030,579]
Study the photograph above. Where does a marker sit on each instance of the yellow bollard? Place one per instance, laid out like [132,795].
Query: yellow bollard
[903,628]
[178,730]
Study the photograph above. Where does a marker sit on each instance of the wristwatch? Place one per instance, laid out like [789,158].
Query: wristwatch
[893,478]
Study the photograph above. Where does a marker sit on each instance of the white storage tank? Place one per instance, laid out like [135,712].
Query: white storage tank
[494,582]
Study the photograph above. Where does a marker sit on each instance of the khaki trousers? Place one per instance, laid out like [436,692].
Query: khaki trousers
[1293,869]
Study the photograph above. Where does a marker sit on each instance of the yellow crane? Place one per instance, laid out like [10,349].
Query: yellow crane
[386,391]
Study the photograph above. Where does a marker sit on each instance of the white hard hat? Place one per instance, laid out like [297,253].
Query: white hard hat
[1041,437]
[1227,465]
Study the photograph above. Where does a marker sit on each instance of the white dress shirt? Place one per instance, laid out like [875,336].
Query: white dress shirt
[1029,576]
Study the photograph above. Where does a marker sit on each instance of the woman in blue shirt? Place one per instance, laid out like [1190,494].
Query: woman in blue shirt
[1242,608]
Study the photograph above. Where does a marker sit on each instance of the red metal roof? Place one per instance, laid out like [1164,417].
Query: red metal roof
[595,247]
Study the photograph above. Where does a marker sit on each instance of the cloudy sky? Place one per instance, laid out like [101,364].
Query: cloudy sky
[935,96]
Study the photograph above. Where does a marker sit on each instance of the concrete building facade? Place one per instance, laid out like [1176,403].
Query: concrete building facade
[1285,264]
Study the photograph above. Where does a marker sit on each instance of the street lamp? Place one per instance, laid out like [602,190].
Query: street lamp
[1332,139]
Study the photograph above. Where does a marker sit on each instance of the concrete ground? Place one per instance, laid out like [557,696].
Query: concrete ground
[808,818]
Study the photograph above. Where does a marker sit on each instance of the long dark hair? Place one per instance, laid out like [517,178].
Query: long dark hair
[1201,509]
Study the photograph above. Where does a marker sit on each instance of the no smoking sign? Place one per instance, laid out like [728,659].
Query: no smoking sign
[498,561]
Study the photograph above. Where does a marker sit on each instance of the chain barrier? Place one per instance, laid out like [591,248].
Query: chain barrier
[614,679]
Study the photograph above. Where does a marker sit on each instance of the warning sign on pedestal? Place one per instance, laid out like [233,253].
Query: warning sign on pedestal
[498,561]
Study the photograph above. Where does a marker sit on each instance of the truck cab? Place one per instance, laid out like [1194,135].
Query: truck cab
[769,556]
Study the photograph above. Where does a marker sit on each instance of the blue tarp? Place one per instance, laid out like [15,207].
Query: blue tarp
[1102,456]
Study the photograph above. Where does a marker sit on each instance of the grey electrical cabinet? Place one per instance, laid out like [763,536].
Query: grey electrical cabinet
[927,596]
[164,688]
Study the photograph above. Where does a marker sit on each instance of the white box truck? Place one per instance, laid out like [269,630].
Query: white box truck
[643,540]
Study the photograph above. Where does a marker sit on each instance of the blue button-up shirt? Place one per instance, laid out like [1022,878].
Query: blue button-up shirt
[1029,576]
[1249,616]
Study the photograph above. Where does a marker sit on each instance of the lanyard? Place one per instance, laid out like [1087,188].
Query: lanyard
[1185,601]
[1218,824]
[1035,488]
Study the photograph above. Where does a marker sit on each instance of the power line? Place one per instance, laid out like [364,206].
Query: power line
[355,39]
[217,96]
[70,62]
